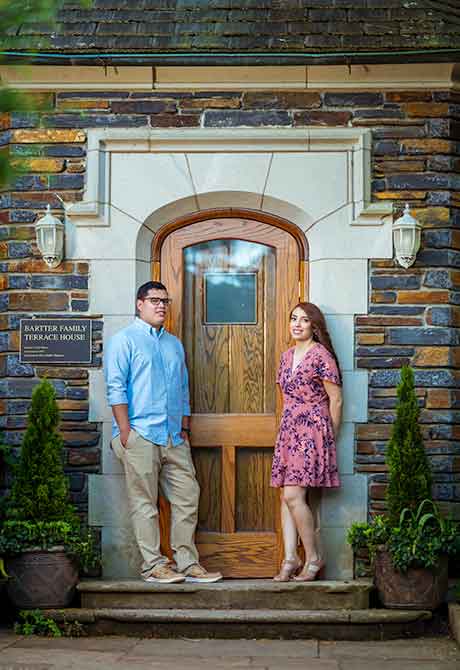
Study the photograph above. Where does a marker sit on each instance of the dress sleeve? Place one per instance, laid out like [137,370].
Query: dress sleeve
[326,368]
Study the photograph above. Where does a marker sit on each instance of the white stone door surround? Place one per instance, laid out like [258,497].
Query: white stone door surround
[318,179]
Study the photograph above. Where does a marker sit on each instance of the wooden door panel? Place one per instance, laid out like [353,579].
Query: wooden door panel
[228,488]
[232,369]
[247,364]
[239,555]
[208,466]
[257,502]
[207,345]
[211,361]
[255,430]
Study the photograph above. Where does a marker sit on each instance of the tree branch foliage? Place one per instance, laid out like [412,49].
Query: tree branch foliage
[13,14]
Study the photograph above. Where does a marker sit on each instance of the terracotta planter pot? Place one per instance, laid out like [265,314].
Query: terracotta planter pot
[418,588]
[41,579]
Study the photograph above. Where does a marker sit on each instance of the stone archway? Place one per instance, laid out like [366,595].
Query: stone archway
[161,176]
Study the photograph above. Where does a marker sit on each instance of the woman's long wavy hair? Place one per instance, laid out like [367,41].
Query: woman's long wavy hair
[319,327]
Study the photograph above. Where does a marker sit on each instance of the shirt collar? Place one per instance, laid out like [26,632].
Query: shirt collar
[148,328]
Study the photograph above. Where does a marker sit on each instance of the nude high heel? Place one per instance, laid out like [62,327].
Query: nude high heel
[289,567]
[311,571]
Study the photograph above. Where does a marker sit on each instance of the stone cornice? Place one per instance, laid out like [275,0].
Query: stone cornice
[337,77]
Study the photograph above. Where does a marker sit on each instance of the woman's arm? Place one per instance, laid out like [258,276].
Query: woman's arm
[334,391]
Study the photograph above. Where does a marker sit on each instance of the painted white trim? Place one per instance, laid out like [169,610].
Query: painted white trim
[94,210]
[230,78]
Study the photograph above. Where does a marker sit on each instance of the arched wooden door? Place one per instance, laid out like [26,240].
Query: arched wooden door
[233,282]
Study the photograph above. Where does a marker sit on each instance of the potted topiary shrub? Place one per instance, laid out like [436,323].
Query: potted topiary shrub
[409,546]
[41,537]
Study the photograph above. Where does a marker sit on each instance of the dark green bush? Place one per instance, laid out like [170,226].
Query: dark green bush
[414,530]
[40,488]
[38,513]
[409,469]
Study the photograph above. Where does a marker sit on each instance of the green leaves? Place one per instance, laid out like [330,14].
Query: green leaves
[414,531]
[13,15]
[369,536]
[419,539]
[19,536]
[40,487]
[410,477]
[3,572]
[34,622]
[39,512]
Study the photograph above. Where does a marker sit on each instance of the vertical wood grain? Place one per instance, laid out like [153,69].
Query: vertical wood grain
[228,489]
[156,271]
[208,465]
[256,501]
[303,281]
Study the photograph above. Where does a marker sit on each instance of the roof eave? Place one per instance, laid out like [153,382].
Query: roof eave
[209,59]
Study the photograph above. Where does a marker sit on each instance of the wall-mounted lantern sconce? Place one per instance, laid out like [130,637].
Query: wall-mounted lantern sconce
[406,238]
[50,238]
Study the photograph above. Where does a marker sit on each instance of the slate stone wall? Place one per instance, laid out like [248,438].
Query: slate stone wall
[413,315]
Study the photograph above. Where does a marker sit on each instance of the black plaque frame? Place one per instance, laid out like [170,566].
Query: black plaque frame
[53,344]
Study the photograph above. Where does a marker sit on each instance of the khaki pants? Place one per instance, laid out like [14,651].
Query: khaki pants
[149,467]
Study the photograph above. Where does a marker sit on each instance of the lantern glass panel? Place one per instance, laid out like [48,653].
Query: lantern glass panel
[49,240]
[407,242]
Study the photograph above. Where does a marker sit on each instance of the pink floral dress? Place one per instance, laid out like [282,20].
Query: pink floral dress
[305,448]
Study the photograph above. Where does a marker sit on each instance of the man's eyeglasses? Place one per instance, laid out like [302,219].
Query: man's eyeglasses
[156,301]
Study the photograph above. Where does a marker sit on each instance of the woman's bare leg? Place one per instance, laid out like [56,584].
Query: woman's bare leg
[314,498]
[296,502]
[289,528]
[291,562]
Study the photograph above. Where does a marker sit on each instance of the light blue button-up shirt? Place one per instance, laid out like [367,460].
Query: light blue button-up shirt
[145,369]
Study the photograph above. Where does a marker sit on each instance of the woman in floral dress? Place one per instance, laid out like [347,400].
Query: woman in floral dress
[305,456]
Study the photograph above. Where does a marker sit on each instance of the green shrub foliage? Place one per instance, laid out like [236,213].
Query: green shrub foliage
[409,469]
[34,622]
[40,488]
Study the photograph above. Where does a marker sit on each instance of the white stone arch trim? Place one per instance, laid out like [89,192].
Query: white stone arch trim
[275,146]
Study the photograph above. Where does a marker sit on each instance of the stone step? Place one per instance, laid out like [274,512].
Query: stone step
[364,624]
[242,594]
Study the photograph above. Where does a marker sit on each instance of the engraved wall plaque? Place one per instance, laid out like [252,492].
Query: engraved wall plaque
[55,341]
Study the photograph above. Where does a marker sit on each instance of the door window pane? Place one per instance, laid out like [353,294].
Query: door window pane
[228,311]
[230,297]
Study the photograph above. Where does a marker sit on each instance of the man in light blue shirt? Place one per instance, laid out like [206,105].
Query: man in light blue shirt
[147,388]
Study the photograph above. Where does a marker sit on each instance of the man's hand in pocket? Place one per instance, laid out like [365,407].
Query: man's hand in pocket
[124,435]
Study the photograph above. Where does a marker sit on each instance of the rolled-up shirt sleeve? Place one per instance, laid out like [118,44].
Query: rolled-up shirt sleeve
[116,370]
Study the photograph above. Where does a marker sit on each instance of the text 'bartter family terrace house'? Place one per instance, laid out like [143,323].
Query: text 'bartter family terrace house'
[262,148]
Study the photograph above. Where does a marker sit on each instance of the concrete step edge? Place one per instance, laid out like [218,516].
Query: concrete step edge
[369,617]
[235,586]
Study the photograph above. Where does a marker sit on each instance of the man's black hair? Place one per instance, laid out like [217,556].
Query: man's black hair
[143,290]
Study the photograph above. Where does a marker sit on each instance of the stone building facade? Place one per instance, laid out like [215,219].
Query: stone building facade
[337,153]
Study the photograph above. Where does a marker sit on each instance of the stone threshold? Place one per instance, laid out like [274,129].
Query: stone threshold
[368,624]
[367,616]
[241,594]
[230,585]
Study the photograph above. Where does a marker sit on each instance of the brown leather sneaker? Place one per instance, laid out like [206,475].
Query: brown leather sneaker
[163,574]
[196,573]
